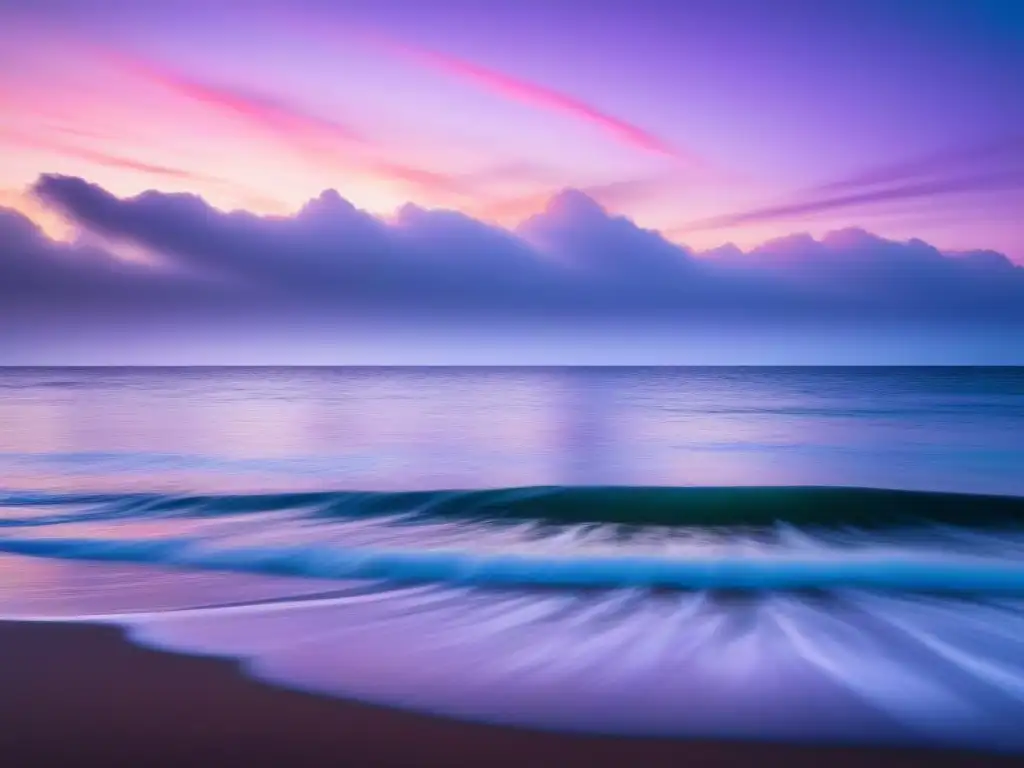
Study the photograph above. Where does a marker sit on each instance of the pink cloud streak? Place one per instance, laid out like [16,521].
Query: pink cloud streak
[267,113]
[105,159]
[999,151]
[982,182]
[540,96]
[319,139]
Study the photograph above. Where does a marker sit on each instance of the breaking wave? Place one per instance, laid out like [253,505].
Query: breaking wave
[686,538]
[809,614]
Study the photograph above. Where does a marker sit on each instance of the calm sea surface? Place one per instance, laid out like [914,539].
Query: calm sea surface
[956,429]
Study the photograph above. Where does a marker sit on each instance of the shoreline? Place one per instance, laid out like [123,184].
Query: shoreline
[73,694]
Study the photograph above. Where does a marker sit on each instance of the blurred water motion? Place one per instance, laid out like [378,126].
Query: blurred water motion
[305,522]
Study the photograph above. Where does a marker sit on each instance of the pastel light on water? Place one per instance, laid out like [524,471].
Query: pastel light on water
[257,430]
[588,602]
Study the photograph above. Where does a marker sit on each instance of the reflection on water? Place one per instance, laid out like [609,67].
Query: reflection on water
[249,429]
[589,425]
[806,614]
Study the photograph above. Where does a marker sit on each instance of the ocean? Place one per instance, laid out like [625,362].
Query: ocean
[782,554]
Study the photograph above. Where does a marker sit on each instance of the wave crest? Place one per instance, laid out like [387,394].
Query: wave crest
[752,539]
[662,506]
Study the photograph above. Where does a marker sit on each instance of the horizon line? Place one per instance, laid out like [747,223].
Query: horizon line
[220,366]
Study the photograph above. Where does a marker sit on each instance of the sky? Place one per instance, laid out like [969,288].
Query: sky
[434,181]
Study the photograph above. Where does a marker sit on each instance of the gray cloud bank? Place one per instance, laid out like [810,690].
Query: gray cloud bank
[332,267]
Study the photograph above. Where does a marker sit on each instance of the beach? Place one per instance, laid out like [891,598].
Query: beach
[73,694]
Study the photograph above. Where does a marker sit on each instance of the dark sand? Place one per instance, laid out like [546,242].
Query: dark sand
[74,694]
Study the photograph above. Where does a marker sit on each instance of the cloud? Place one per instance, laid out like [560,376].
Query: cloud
[857,269]
[577,231]
[48,278]
[993,165]
[542,97]
[273,114]
[993,152]
[613,194]
[98,157]
[332,263]
[981,182]
[329,258]
[318,139]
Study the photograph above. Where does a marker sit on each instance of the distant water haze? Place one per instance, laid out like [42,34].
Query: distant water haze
[261,429]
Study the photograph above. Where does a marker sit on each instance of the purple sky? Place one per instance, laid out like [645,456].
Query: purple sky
[711,121]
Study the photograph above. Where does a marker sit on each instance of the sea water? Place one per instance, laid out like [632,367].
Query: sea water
[809,554]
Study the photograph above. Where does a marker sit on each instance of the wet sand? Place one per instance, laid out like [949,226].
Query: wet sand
[76,694]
